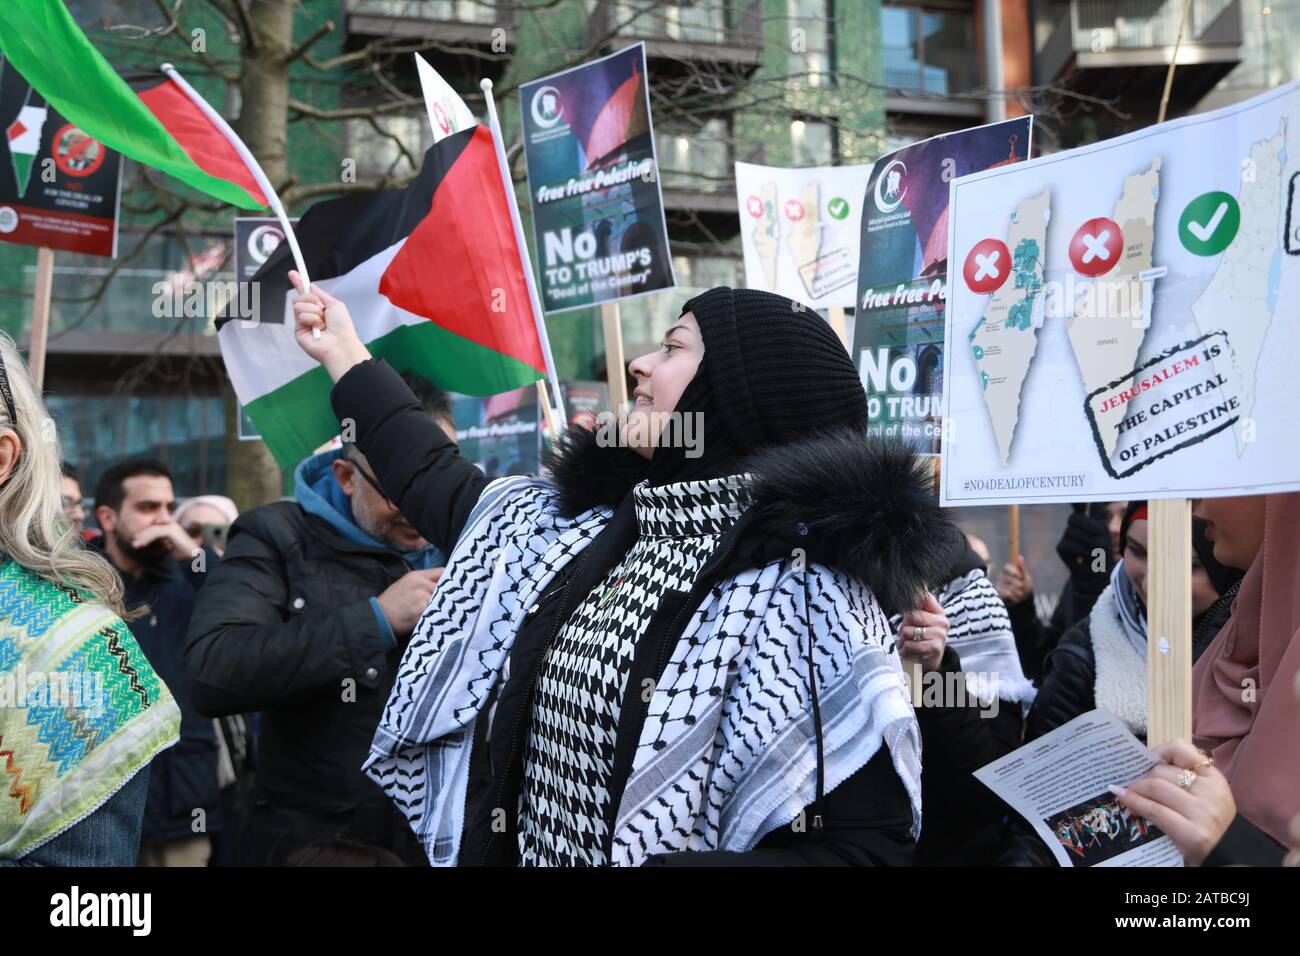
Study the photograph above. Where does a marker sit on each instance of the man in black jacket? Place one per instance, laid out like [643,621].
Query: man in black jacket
[305,621]
[162,571]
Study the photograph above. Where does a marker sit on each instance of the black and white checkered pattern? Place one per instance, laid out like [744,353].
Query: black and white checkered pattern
[565,797]
[727,752]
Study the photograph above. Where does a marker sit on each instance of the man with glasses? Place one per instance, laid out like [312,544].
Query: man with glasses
[73,503]
[304,621]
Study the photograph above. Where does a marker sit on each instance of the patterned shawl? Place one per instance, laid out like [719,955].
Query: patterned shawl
[81,710]
[727,751]
[979,630]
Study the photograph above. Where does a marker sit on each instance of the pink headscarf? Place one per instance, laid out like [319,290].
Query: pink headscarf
[1255,741]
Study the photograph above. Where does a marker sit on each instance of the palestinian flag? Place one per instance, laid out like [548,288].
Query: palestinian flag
[145,116]
[24,135]
[432,276]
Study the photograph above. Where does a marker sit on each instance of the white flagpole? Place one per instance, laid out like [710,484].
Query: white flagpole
[538,317]
[254,167]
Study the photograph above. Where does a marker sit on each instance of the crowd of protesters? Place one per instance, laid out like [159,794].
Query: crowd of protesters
[642,657]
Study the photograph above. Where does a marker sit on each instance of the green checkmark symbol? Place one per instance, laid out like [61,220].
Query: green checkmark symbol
[838,207]
[1209,223]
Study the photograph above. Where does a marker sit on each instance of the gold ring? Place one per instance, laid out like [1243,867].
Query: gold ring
[1186,779]
[1207,762]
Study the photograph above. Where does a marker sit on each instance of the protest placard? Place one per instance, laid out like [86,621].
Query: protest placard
[594,180]
[1123,316]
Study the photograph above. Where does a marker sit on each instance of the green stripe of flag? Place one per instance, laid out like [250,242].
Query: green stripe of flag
[296,418]
[47,47]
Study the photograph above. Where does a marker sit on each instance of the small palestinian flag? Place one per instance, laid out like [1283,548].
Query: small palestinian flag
[24,135]
[432,276]
[145,116]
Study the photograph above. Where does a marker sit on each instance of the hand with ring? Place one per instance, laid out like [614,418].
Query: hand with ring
[923,634]
[1186,797]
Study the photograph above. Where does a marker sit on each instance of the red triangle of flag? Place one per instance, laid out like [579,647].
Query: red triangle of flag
[460,266]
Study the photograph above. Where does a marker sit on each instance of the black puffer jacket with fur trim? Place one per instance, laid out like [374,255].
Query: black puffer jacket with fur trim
[865,509]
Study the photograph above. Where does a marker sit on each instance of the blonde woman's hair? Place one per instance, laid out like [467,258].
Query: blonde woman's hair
[33,529]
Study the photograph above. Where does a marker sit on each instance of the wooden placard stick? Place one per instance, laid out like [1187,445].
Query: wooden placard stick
[1169,620]
[835,315]
[615,367]
[1013,533]
[1169,579]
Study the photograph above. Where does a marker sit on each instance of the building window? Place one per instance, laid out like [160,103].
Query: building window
[187,432]
[812,143]
[896,141]
[811,50]
[165,287]
[928,51]
[694,156]
[1269,54]
[698,21]
[447,11]
[646,318]
[377,143]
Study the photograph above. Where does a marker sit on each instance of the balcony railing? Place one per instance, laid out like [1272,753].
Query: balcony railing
[446,11]
[944,73]
[1100,26]
[702,22]
[695,160]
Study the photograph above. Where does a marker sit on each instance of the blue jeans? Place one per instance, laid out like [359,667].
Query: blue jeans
[108,837]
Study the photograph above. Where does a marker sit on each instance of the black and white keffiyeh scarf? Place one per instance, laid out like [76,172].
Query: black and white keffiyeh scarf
[727,750]
[570,753]
[980,632]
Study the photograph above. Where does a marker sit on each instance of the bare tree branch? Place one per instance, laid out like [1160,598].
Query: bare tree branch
[296,194]
[322,31]
[354,112]
[139,33]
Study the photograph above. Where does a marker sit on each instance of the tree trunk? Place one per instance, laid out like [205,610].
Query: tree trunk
[252,475]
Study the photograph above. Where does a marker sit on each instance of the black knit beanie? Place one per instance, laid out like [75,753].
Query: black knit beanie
[773,371]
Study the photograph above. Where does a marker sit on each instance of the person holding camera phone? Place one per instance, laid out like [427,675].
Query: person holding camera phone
[207,520]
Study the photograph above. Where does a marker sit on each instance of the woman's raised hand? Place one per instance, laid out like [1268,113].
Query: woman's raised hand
[928,623]
[338,348]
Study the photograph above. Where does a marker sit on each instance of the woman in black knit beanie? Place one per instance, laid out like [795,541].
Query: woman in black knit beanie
[674,648]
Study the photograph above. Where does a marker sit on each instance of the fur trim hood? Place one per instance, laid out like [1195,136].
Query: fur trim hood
[866,508]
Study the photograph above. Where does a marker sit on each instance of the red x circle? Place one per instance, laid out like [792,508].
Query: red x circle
[755,207]
[1096,247]
[988,264]
[793,210]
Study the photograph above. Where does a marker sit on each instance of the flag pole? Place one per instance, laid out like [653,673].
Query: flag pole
[498,140]
[254,167]
[36,344]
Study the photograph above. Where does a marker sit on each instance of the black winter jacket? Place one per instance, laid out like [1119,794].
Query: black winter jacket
[285,627]
[962,816]
[183,778]
[847,504]
[1068,686]
[1084,535]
